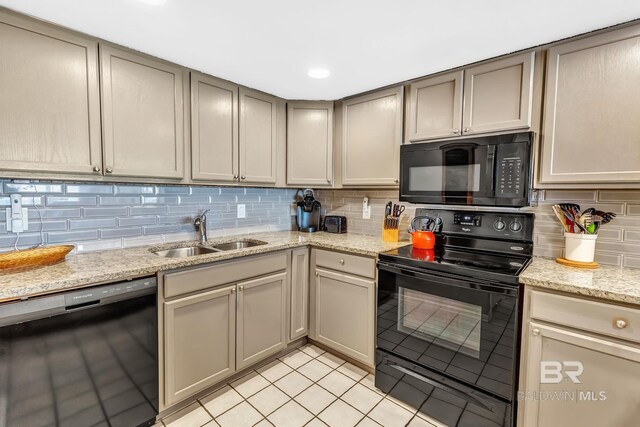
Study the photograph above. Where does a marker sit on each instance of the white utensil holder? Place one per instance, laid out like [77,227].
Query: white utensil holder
[580,247]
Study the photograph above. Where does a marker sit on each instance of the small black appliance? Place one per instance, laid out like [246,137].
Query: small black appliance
[335,224]
[308,212]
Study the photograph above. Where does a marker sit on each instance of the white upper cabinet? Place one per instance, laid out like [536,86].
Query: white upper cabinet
[49,99]
[310,143]
[142,115]
[591,130]
[491,97]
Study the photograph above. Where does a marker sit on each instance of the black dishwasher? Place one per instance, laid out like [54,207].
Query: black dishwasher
[82,358]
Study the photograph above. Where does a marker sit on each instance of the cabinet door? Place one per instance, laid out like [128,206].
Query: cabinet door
[49,102]
[262,317]
[344,314]
[498,95]
[258,144]
[199,342]
[435,107]
[142,115]
[299,325]
[606,395]
[371,138]
[310,143]
[214,129]
[590,125]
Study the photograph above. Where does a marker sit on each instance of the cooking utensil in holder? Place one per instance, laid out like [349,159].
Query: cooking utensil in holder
[390,229]
[579,250]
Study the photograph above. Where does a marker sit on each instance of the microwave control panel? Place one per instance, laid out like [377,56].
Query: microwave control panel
[510,170]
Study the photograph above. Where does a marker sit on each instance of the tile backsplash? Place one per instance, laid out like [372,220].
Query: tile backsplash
[109,216]
[618,242]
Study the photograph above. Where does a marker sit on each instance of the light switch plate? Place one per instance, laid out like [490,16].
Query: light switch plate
[242,212]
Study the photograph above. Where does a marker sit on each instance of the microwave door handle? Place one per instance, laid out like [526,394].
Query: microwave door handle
[492,167]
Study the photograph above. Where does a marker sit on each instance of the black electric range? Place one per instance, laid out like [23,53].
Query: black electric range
[448,318]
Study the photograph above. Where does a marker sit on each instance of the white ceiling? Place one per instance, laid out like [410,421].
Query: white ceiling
[270,44]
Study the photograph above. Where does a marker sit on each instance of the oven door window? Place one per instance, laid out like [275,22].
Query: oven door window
[454,173]
[452,324]
[462,329]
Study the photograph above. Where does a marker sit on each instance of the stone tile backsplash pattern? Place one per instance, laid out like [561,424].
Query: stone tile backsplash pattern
[618,242]
[109,216]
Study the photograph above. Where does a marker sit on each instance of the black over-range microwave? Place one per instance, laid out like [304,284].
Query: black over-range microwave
[485,171]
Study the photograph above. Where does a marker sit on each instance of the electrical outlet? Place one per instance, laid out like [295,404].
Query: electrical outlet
[366,209]
[242,212]
[17,216]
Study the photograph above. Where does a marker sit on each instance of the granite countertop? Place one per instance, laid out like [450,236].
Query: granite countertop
[608,283]
[108,266]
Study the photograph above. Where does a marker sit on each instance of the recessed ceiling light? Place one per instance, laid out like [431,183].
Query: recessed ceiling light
[318,73]
[153,2]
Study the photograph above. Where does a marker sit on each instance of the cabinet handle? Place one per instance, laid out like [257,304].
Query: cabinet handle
[329,180]
[241,288]
[96,168]
[466,129]
[536,332]
[316,274]
[235,177]
[621,323]
[456,131]
[233,290]
[395,180]
[109,170]
[342,261]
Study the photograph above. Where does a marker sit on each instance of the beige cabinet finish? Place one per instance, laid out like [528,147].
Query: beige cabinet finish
[590,123]
[299,295]
[435,107]
[199,342]
[214,129]
[371,138]
[50,106]
[262,316]
[563,329]
[310,143]
[498,95]
[142,115]
[609,368]
[492,97]
[258,137]
[342,303]
[344,314]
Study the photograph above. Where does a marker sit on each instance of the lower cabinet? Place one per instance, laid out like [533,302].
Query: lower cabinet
[216,320]
[262,318]
[343,312]
[199,341]
[299,324]
[579,363]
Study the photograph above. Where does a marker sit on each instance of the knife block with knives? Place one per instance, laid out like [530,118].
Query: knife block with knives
[391,222]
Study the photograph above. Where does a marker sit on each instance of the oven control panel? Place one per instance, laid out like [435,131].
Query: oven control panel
[502,225]
[467,219]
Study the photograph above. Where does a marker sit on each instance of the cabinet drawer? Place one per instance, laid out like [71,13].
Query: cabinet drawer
[601,318]
[196,279]
[352,264]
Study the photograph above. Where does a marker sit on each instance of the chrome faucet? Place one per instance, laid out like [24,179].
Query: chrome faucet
[201,223]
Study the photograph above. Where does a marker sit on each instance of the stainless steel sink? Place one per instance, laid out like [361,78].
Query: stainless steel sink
[240,244]
[186,252]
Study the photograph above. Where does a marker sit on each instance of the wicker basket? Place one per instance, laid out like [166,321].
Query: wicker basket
[36,257]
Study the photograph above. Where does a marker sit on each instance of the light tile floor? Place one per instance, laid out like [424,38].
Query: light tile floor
[306,387]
